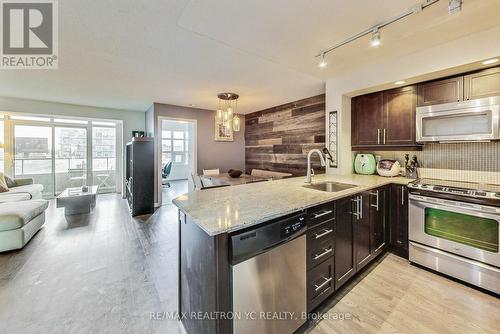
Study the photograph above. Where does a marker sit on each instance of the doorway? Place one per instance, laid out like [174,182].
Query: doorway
[177,156]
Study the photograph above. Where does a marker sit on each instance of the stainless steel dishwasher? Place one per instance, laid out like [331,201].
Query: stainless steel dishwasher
[269,277]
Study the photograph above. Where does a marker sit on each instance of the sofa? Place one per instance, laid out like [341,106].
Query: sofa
[21,190]
[22,213]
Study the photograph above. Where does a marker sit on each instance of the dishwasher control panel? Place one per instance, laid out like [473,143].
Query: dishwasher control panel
[256,240]
[290,227]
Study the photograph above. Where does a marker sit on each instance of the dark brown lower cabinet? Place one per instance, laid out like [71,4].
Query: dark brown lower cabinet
[361,232]
[320,283]
[399,220]
[379,216]
[345,265]
[320,254]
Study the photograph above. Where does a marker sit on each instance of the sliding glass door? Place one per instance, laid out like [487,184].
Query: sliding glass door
[61,153]
[104,157]
[70,145]
[33,155]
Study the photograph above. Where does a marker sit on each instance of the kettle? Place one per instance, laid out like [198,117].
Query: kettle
[364,164]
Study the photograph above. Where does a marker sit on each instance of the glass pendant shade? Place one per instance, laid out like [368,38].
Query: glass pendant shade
[236,123]
[219,116]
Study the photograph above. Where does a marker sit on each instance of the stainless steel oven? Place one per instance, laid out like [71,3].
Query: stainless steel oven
[474,120]
[456,238]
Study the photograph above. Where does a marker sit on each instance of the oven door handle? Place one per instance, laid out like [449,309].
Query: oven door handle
[462,207]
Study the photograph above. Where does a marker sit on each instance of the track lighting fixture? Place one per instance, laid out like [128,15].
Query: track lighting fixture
[375,40]
[322,61]
[454,5]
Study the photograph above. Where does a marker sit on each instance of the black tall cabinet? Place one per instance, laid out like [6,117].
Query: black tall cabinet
[140,176]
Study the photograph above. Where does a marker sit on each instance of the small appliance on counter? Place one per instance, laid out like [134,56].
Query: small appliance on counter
[364,164]
[388,167]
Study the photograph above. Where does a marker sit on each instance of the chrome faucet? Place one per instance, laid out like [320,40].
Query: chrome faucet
[309,169]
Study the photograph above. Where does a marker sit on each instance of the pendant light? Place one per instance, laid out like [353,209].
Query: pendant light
[219,114]
[226,114]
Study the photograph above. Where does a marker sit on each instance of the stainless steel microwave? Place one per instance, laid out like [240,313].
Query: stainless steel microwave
[474,120]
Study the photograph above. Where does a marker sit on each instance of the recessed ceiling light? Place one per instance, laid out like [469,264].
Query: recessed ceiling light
[400,82]
[375,41]
[490,61]
[192,105]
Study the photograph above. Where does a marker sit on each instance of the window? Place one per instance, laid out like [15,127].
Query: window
[103,148]
[104,157]
[60,152]
[174,147]
[33,155]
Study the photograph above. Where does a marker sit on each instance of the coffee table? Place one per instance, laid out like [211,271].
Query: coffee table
[75,201]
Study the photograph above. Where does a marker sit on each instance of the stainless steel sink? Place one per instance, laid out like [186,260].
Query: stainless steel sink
[330,186]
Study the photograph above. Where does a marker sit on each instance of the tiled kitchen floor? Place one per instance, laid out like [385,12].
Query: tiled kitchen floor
[106,272]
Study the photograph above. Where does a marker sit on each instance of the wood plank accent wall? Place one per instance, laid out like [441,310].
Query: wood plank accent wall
[279,138]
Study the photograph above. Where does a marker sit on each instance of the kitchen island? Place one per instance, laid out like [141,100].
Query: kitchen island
[211,222]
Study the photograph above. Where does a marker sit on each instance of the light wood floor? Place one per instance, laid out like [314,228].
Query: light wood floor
[396,297]
[106,272]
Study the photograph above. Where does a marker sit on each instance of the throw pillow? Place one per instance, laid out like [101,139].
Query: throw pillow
[10,181]
[3,184]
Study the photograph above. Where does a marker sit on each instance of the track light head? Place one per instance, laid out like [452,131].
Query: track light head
[375,40]
[322,61]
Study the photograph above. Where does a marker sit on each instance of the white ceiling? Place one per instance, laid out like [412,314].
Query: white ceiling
[127,54]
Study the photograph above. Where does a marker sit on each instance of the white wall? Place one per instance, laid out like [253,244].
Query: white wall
[432,63]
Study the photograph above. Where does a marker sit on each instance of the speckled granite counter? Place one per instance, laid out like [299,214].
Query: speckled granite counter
[229,209]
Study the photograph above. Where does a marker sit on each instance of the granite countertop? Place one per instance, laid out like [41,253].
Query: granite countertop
[229,209]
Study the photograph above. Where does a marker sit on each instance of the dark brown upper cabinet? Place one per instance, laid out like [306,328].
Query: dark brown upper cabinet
[367,119]
[384,120]
[399,116]
[475,85]
[441,91]
[482,84]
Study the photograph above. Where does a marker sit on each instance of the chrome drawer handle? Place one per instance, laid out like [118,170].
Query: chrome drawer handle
[326,251]
[324,213]
[375,194]
[322,285]
[321,235]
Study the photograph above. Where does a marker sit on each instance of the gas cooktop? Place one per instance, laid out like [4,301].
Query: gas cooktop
[468,189]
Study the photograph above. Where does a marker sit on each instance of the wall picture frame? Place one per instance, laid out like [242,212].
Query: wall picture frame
[223,133]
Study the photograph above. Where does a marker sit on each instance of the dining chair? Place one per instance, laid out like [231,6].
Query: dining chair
[196,182]
[165,173]
[211,171]
[104,178]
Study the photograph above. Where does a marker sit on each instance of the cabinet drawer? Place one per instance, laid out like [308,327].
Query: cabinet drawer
[319,251]
[320,284]
[320,213]
[321,232]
